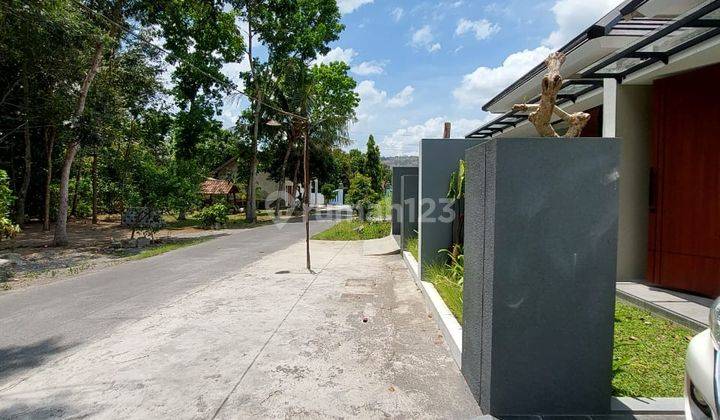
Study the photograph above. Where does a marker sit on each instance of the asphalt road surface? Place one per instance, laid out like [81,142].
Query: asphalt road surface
[42,323]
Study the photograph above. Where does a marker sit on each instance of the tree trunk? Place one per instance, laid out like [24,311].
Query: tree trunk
[61,237]
[251,210]
[78,178]
[295,182]
[22,192]
[94,188]
[49,143]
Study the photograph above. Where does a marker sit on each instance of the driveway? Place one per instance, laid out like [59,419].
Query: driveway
[261,339]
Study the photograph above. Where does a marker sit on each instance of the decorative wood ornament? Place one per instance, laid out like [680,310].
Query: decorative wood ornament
[541,114]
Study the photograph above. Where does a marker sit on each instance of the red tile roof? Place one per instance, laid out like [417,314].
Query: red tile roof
[212,186]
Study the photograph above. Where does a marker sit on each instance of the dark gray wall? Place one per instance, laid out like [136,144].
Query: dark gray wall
[540,259]
[438,160]
[409,200]
[397,174]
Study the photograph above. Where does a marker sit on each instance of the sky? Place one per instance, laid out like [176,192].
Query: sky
[421,63]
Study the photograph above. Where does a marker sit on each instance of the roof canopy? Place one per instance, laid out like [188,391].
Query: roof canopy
[570,92]
[674,26]
[698,25]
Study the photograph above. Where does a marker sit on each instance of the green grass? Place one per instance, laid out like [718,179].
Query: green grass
[450,291]
[649,356]
[235,221]
[161,249]
[411,246]
[355,230]
[649,353]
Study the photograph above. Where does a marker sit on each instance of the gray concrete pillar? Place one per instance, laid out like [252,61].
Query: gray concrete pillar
[541,232]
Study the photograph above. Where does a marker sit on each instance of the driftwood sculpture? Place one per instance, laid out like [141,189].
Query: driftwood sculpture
[541,114]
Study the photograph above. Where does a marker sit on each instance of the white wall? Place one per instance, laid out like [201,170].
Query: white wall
[631,118]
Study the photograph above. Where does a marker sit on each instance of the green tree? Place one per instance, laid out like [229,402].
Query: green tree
[373,165]
[361,194]
[7,228]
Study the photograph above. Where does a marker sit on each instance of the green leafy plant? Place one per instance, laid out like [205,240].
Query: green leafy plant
[328,191]
[361,194]
[214,216]
[7,228]
[381,209]
[456,264]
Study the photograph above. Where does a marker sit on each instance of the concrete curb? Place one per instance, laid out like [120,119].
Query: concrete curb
[647,406]
[446,322]
[663,312]
[380,247]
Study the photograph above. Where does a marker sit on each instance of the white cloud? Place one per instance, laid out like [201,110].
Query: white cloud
[424,38]
[369,94]
[337,54]
[397,13]
[367,68]
[573,16]
[404,141]
[485,82]
[349,6]
[482,28]
[403,98]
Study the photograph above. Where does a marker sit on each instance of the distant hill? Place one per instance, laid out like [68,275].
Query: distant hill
[401,161]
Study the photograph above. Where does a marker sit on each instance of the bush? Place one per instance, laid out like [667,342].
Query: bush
[361,194]
[214,216]
[381,210]
[328,191]
[7,228]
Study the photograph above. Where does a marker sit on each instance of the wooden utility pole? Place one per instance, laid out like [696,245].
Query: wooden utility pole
[306,193]
[446,130]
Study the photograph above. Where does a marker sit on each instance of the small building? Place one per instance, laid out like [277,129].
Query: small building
[648,74]
[219,190]
[264,185]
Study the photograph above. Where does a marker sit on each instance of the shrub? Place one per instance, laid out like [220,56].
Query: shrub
[456,265]
[381,209]
[7,228]
[214,216]
[361,194]
[328,191]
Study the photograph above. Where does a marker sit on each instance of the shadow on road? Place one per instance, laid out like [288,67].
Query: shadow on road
[40,410]
[15,359]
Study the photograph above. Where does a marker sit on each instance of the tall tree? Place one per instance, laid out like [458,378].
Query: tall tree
[294,32]
[373,165]
[115,10]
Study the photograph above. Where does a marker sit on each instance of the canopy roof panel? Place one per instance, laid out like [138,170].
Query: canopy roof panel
[571,91]
[698,25]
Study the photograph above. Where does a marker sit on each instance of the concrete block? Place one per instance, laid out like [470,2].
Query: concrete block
[438,160]
[397,173]
[541,233]
[409,203]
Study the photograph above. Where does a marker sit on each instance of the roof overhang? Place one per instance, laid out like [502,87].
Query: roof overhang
[696,27]
[581,46]
[573,92]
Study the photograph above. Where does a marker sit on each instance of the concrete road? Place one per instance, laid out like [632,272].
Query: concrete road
[42,323]
[271,340]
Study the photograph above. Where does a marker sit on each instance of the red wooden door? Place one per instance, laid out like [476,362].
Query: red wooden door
[685,201]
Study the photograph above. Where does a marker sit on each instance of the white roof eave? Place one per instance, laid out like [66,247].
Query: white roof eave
[585,55]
